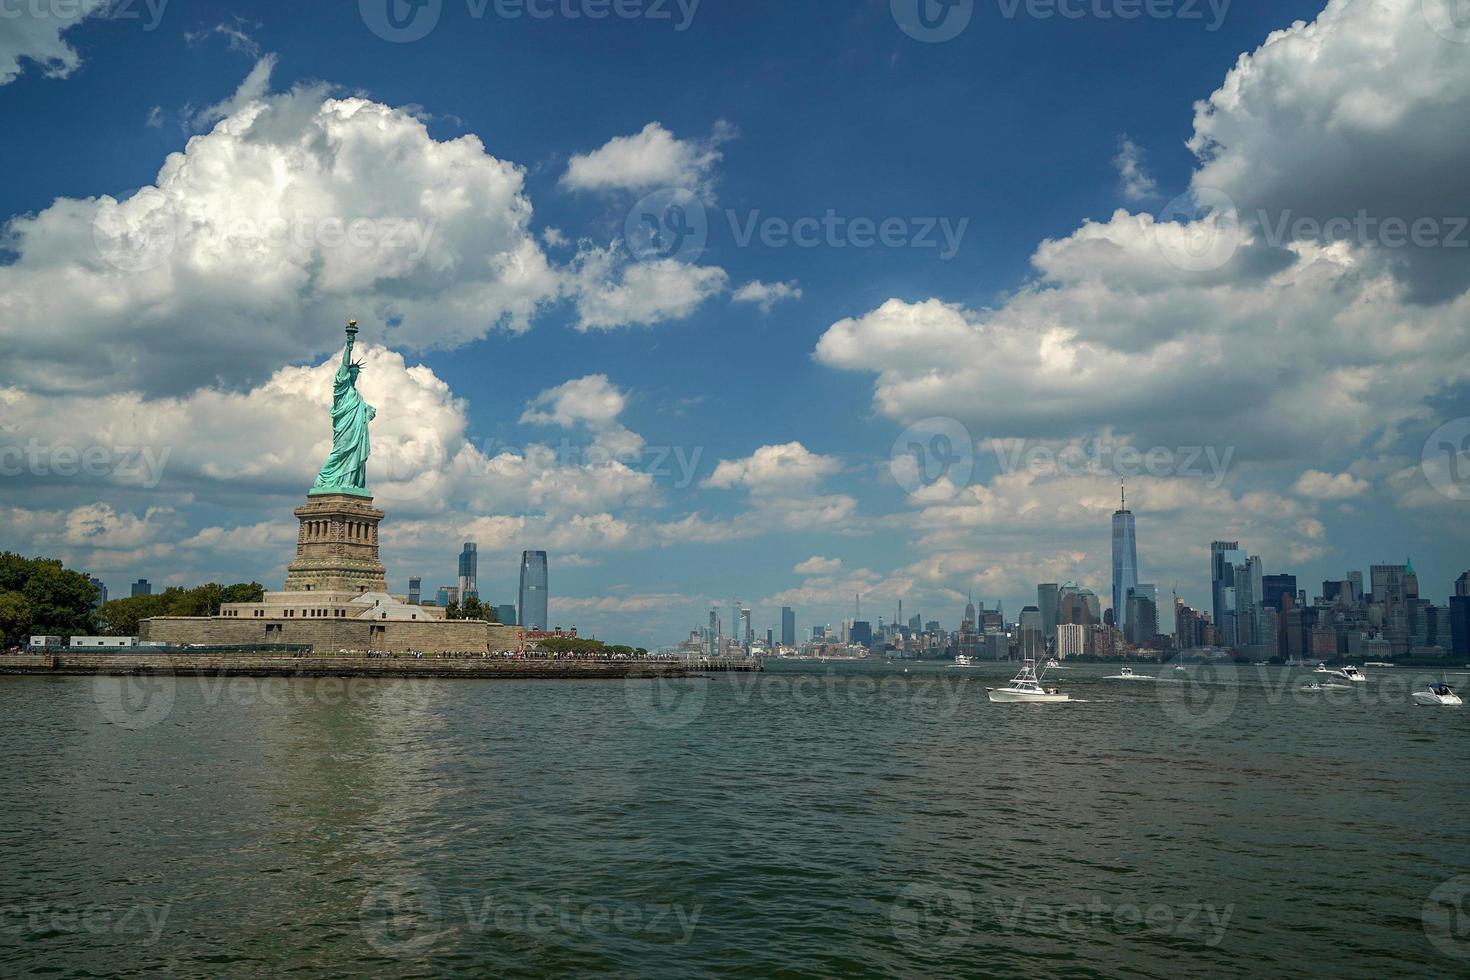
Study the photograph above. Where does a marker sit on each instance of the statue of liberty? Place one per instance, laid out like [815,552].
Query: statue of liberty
[345,470]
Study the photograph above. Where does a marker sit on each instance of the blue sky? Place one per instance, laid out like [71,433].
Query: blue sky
[1311,368]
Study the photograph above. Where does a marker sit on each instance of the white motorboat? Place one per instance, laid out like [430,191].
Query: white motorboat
[1053,665]
[1437,694]
[1127,674]
[962,661]
[1351,673]
[1327,686]
[1026,687]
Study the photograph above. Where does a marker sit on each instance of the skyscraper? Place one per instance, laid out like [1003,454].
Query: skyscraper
[747,631]
[1125,559]
[534,582]
[142,587]
[788,626]
[1046,600]
[100,588]
[1224,556]
[1031,639]
[415,591]
[505,614]
[1142,605]
[469,565]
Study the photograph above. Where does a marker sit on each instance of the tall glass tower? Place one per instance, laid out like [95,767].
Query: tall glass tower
[1125,560]
[1224,557]
[533,590]
[469,571]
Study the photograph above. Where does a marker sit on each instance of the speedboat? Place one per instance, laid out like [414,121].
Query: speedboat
[1351,673]
[1053,665]
[1127,674]
[962,661]
[1328,686]
[1437,694]
[1025,687]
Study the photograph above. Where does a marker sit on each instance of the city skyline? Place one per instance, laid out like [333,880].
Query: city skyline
[901,420]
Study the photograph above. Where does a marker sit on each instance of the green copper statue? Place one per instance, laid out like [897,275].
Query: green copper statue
[345,470]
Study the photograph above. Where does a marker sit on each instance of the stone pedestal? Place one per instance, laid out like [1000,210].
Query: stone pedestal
[337,548]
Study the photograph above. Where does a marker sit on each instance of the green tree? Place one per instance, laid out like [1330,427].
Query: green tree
[15,619]
[61,600]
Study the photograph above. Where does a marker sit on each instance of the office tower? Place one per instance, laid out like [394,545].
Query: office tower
[469,566]
[1273,587]
[712,633]
[770,639]
[142,587]
[100,589]
[788,626]
[1142,604]
[1077,605]
[1191,628]
[505,614]
[1125,558]
[1047,595]
[415,591]
[448,596]
[1357,579]
[746,638]
[1459,630]
[1031,637]
[534,583]
[1224,557]
[861,633]
[1071,640]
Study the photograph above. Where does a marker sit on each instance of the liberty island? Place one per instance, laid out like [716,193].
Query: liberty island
[335,615]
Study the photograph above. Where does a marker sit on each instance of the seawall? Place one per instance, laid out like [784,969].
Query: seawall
[62,663]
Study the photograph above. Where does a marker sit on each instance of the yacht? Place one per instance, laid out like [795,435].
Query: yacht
[1437,694]
[1127,674]
[1025,687]
[1351,673]
[962,661]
